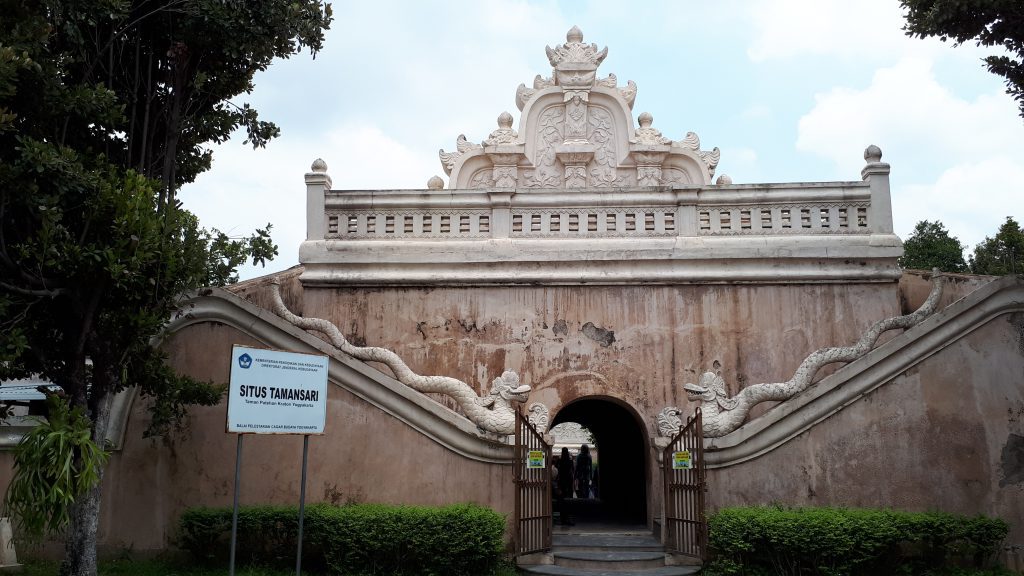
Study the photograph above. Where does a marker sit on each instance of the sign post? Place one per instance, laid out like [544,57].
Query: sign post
[274,392]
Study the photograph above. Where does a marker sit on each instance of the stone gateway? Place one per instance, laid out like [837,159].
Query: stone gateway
[580,265]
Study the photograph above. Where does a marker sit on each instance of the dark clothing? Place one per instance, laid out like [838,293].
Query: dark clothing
[565,485]
[583,470]
[565,477]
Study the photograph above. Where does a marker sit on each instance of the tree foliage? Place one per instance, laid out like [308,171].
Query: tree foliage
[106,108]
[986,22]
[1002,254]
[55,464]
[931,246]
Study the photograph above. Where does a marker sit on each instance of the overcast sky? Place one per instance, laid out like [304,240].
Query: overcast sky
[789,90]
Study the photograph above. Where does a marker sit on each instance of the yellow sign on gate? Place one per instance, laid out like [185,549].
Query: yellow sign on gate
[682,460]
[535,459]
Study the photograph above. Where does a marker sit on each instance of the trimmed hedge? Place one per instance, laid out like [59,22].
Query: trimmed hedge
[849,542]
[358,539]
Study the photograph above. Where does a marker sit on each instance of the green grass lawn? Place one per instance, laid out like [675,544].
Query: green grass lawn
[168,568]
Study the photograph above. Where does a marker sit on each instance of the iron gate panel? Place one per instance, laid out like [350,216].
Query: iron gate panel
[686,528]
[532,524]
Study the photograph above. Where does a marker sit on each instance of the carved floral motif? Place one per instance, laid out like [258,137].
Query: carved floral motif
[670,421]
[602,134]
[648,176]
[462,146]
[575,176]
[575,117]
[546,172]
[538,416]
[505,176]
[482,179]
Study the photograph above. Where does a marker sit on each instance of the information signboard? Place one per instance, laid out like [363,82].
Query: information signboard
[535,459]
[682,460]
[274,392]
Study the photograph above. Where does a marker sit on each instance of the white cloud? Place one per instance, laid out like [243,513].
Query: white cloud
[786,28]
[909,114]
[972,199]
[864,30]
[954,160]
[248,188]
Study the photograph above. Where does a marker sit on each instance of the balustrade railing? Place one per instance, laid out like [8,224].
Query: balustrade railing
[839,208]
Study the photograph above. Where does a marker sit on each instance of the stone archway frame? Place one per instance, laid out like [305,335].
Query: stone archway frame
[644,460]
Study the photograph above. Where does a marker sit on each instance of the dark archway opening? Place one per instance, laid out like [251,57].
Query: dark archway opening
[622,465]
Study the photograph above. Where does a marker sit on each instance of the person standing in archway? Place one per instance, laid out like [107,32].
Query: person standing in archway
[584,468]
[565,485]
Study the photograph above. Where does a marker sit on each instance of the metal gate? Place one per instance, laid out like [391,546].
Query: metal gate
[531,472]
[686,528]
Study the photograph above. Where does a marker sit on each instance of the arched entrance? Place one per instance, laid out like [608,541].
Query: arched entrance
[622,459]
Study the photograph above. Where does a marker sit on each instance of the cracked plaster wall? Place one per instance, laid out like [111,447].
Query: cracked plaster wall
[639,344]
[946,435]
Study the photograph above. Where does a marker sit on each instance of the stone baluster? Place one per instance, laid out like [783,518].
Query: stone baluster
[876,173]
[317,183]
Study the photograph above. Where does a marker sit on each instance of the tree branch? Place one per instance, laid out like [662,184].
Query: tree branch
[30,292]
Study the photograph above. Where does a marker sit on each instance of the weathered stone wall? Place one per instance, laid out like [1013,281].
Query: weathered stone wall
[946,435]
[366,455]
[635,343]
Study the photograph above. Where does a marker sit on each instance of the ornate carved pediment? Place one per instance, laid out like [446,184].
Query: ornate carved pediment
[577,131]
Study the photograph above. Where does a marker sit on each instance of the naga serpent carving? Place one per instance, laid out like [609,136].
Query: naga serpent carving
[723,414]
[494,412]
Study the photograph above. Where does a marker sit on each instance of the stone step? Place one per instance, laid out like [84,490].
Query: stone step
[550,570]
[643,542]
[610,560]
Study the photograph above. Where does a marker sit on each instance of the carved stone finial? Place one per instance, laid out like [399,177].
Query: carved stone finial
[724,180]
[647,135]
[574,34]
[504,134]
[319,166]
[575,51]
[435,183]
[873,154]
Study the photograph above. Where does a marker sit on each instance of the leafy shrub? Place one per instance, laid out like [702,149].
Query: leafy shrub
[358,539]
[55,465]
[839,541]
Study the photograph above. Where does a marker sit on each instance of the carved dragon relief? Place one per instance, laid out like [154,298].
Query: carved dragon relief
[723,413]
[494,412]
